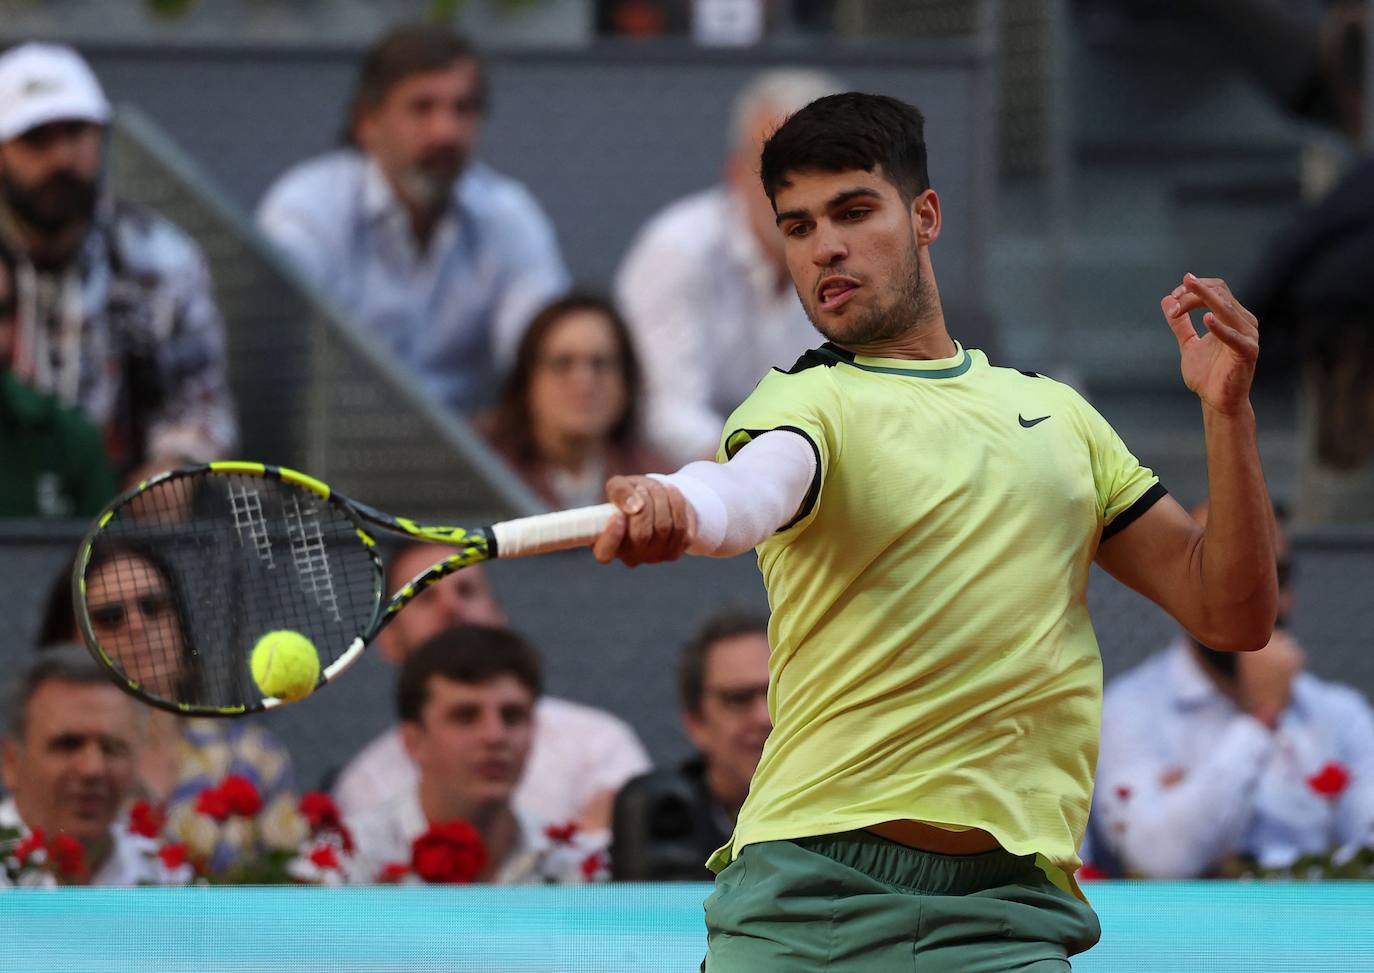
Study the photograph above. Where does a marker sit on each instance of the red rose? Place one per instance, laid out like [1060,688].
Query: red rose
[173,856]
[562,833]
[393,872]
[325,857]
[1330,781]
[240,795]
[67,855]
[145,820]
[320,811]
[592,865]
[451,852]
[26,847]
[1091,873]
[346,837]
[212,804]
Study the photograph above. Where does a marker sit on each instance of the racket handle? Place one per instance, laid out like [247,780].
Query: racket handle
[551,532]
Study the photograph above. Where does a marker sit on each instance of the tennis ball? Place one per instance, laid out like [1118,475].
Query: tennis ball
[285,665]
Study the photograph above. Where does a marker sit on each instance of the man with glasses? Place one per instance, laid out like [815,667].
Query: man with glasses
[667,823]
[1208,757]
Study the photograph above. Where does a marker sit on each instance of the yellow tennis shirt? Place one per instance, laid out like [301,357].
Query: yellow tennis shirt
[932,656]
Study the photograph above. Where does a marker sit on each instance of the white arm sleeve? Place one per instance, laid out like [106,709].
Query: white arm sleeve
[740,503]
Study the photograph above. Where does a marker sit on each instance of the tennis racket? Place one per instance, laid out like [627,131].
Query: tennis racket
[180,576]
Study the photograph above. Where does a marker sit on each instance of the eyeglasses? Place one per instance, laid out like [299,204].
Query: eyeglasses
[738,699]
[116,613]
[563,365]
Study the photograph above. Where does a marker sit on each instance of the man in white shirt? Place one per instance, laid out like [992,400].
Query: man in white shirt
[440,258]
[68,758]
[705,287]
[466,702]
[1208,757]
[580,756]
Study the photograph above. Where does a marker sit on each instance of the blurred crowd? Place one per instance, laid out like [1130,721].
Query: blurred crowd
[113,367]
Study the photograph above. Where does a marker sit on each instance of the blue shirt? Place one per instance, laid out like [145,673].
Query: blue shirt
[452,312]
[1185,778]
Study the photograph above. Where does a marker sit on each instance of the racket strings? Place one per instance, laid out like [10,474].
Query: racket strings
[224,558]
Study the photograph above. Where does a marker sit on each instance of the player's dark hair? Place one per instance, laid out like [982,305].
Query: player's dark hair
[853,130]
[511,424]
[465,653]
[691,670]
[405,51]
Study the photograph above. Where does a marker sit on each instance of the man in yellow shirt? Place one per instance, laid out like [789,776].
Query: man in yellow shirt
[925,523]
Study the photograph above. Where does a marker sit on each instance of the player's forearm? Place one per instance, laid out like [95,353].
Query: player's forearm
[740,503]
[1234,564]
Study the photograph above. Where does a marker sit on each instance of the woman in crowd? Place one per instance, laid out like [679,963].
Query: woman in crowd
[568,416]
[136,607]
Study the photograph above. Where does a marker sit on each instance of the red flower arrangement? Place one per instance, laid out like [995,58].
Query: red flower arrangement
[449,853]
[1331,781]
[35,859]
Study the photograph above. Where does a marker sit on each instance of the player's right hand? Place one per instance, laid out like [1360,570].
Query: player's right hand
[654,523]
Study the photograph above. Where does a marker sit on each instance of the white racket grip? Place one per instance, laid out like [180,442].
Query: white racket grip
[557,531]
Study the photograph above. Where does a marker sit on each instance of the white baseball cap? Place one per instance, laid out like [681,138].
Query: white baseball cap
[42,83]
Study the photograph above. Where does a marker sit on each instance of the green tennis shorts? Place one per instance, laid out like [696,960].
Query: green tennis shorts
[858,903]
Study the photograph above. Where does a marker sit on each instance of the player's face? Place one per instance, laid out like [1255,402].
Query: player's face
[49,175]
[72,769]
[733,722]
[425,130]
[577,390]
[134,618]
[852,249]
[463,598]
[473,739]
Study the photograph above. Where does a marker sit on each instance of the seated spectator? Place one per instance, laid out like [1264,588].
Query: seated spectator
[442,259]
[70,747]
[705,287]
[115,311]
[466,702]
[580,756]
[1210,758]
[569,413]
[668,822]
[55,463]
[136,594]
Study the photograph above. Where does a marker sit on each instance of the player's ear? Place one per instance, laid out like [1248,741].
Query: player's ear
[925,218]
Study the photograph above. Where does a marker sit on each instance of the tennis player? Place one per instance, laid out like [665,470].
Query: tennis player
[925,523]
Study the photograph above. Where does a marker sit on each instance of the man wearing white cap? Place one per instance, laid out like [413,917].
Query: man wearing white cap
[115,314]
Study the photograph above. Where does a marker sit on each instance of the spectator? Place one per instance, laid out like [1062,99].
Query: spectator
[55,463]
[1212,756]
[115,311]
[69,753]
[569,412]
[132,594]
[466,702]
[442,259]
[705,287]
[580,756]
[667,823]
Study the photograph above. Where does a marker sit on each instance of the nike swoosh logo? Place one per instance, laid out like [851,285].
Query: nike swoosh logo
[1027,423]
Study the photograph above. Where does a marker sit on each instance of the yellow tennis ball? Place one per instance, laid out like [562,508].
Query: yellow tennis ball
[285,665]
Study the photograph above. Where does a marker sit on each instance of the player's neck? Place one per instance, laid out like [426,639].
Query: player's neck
[927,340]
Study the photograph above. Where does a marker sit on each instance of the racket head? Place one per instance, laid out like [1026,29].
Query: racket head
[180,576]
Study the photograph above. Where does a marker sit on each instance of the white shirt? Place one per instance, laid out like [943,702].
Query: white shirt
[1184,777]
[133,859]
[578,752]
[451,312]
[709,319]
[385,834]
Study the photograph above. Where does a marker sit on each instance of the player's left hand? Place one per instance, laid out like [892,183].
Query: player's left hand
[1219,365]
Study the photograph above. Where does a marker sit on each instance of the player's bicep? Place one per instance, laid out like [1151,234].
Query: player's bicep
[1157,555]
